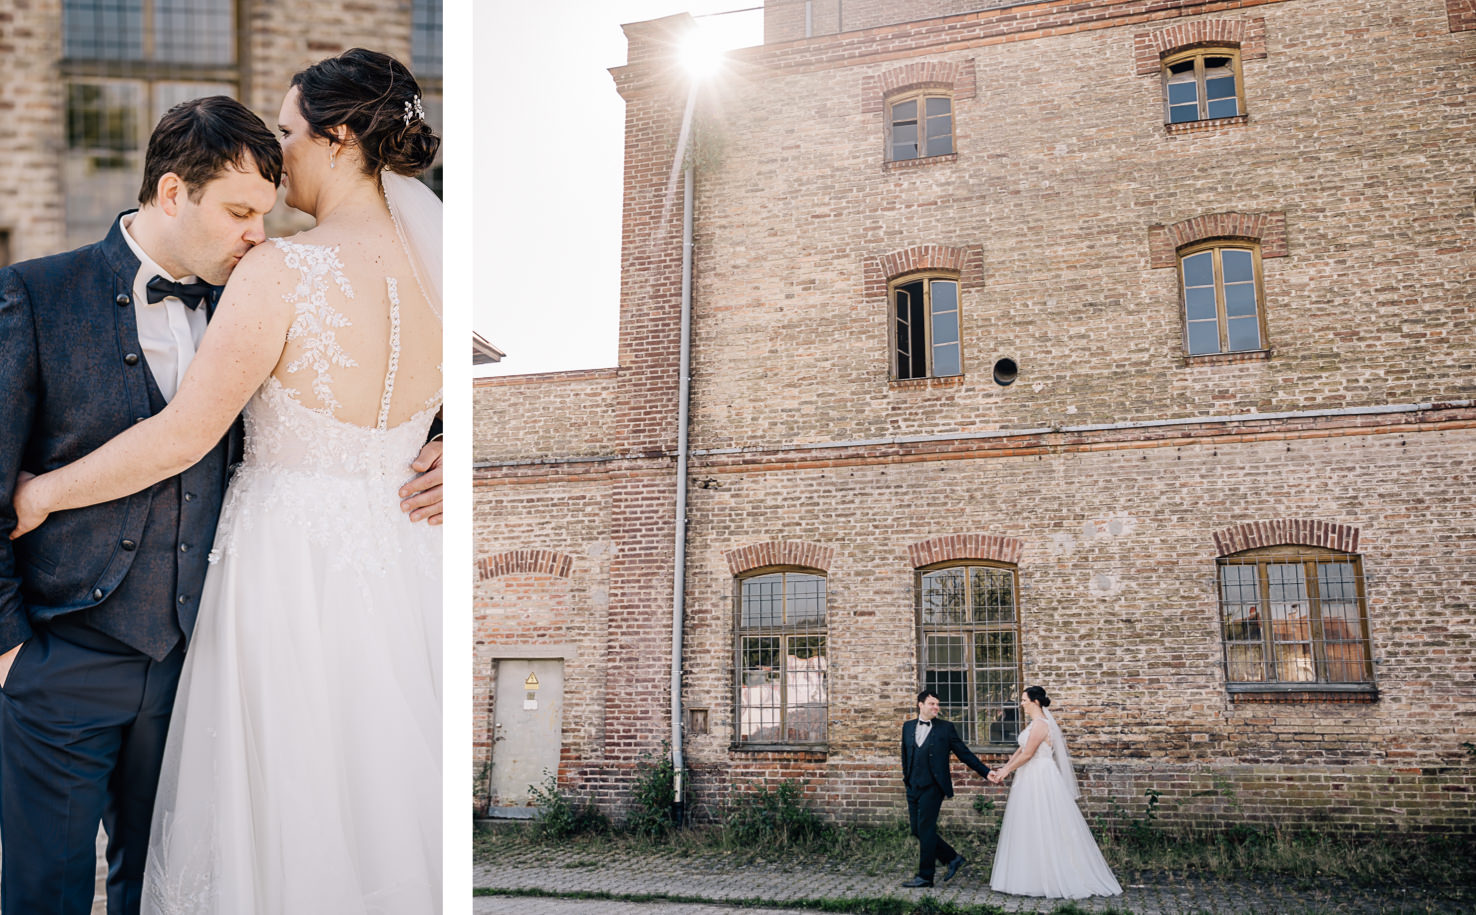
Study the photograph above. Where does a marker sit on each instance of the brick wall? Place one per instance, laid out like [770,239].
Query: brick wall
[31,102]
[1112,463]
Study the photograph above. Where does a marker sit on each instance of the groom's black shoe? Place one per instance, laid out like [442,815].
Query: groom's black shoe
[953,867]
[917,882]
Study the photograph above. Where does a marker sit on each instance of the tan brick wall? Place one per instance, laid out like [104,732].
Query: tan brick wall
[31,102]
[566,414]
[1111,465]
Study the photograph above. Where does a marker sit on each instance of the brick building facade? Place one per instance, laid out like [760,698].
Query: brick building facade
[82,83]
[1119,346]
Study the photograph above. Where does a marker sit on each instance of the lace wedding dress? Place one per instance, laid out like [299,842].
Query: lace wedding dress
[302,774]
[1045,847]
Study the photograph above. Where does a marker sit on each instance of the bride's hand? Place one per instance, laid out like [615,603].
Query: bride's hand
[30,509]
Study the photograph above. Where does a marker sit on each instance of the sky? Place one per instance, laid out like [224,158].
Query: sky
[548,160]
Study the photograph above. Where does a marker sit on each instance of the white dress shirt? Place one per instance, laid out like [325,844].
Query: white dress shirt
[921,730]
[168,331]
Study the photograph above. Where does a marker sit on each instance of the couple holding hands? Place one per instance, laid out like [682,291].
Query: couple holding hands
[1045,847]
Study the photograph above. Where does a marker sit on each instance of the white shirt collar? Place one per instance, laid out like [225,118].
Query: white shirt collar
[146,264]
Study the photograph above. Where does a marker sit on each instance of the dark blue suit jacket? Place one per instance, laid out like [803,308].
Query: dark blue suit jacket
[72,376]
[929,762]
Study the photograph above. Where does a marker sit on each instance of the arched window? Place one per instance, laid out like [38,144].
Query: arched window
[1201,85]
[919,125]
[969,647]
[783,682]
[1221,283]
[1294,615]
[925,327]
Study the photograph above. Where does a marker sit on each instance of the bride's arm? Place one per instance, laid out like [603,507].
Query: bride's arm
[240,349]
[1025,753]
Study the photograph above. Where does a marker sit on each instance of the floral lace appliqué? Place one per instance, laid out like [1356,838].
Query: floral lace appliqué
[315,321]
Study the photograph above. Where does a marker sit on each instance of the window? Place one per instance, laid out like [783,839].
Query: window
[1294,616]
[1202,84]
[425,40]
[127,62]
[1222,312]
[969,647]
[925,333]
[919,126]
[783,682]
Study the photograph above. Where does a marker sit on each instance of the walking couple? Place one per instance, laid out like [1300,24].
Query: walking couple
[301,769]
[1045,847]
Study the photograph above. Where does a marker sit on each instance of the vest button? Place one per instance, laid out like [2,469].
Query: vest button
[97,594]
[122,299]
[131,359]
[184,547]
[182,599]
[129,545]
[189,497]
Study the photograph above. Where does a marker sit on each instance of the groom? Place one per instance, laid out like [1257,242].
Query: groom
[926,742]
[97,605]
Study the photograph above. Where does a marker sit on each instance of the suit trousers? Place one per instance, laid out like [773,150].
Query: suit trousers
[83,720]
[923,805]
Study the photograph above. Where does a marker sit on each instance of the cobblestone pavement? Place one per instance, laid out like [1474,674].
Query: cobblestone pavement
[695,878]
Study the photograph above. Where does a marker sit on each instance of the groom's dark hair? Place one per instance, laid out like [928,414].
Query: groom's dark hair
[925,695]
[199,139]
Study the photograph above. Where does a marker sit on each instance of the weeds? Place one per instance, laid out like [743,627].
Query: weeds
[772,819]
[561,817]
[655,796]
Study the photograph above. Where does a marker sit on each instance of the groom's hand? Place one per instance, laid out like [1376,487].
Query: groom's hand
[421,497]
[6,660]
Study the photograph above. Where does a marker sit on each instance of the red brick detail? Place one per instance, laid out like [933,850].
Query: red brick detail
[958,78]
[1462,14]
[1267,228]
[779,553]
[544,562]
[1287,532]
[968,263]
[965,546]
[1249,35]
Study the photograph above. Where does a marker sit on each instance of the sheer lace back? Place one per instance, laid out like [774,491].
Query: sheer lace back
[364,347]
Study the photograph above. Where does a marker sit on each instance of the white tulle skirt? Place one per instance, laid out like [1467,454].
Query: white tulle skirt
[302,774]
[1045,847]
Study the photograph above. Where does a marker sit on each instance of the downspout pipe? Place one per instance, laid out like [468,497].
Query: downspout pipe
[684,396]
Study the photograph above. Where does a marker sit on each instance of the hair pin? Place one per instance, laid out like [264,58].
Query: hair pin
[413,110]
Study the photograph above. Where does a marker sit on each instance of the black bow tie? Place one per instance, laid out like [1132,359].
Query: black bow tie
[192,294]
[924,724]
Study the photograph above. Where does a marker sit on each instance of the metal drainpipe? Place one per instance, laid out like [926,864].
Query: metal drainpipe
[679,578]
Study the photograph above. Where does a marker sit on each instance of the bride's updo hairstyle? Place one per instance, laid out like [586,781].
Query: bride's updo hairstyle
[1038,694]
[377,99]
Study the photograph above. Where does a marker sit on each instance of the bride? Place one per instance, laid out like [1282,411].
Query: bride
[302,770]
[1045,847]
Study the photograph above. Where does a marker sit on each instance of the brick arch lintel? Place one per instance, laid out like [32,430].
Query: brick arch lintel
[965,546]
[1149,48]
[956,76]
[1268,229]
[779,553]
[1286,532]
[544,562]
[967,262]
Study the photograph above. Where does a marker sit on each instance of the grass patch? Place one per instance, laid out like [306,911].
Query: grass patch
[883,905]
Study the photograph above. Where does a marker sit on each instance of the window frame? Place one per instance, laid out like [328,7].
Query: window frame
[920,96]
[1222,318]
[157,81]
[1309,557]
[1198,54]
[971,629]
[927,278]
[785,631]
